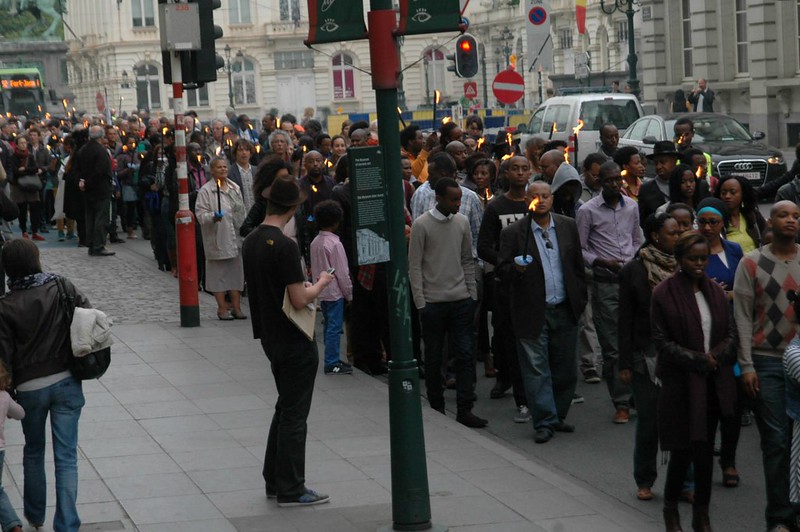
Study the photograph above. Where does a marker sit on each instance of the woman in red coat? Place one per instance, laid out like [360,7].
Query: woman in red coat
[695,337]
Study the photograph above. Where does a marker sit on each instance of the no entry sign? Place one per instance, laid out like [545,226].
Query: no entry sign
[508,87]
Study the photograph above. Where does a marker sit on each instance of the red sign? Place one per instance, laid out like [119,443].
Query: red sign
[470,90]
[508,87]
[100,101]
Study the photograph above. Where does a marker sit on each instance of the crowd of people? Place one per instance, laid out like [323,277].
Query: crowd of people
[647,272]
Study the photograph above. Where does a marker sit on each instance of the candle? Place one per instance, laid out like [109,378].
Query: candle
[219,198]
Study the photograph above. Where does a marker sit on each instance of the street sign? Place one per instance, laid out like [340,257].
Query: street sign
[100,100]
[508,87]
[537,16]
[470,90]
[369,200]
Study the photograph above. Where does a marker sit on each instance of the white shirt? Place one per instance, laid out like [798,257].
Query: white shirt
[705,319]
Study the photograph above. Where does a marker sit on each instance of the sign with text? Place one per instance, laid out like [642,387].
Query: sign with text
[429,16]
[335,21]
[540,44]
[369,201]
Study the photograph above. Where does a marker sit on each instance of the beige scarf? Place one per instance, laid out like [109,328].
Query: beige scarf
[659,265]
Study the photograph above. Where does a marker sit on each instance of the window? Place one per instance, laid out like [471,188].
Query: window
[435,66]
[686,24]
[143,13]
[344,83]
[239,12]
[290,10]
[556,114]
[565,39]
[294,60]
[742,65]
[622,31]
[535,125]
[197,97]
[148,85]
[244,82]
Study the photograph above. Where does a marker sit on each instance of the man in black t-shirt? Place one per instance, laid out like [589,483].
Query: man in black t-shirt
[272,268]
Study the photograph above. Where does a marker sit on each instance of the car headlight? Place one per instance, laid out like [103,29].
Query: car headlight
[775,159]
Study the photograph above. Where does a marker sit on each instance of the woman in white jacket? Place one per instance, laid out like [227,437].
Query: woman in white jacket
[220,212]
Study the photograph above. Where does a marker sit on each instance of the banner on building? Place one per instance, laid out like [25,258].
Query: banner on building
[580,15]
[32,20]
[429,16]
[335,21]
[540,44]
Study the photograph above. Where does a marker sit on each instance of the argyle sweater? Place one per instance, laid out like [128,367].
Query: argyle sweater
[764,315]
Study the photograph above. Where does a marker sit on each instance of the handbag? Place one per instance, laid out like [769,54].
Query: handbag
[29,183]
[304,319]
[93,365]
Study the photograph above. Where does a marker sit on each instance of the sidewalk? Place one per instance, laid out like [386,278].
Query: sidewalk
[172,439]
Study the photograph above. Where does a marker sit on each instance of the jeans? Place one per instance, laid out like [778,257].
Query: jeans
[8,517]
[548,367]
[454,320]
[605,310]
[97,219]
[294,367]
[773,426]
[645,450]
[62,401]
[333,313]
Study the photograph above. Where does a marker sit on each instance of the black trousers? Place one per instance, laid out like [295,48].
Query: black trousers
[369,329]
[294,367]
[504,346]
[36,215]
[97,218]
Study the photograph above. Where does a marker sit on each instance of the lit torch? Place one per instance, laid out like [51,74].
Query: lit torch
[480,143]
[531,209]
[575,131]
[436,97]
[447,120]
[400,116]
[553,129]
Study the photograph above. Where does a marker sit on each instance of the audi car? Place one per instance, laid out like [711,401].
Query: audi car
[733,149]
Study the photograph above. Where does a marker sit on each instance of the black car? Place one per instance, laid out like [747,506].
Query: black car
[732,148]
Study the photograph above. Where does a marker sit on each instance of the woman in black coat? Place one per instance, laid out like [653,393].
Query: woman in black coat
[695,337]
[74,203]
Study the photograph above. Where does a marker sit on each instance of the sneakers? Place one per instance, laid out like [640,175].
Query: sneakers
[71,236]
[621,416]
[523,414]
[61,236]
[591,377]
[340,368]
[38,237]
[309,498]
[577,399]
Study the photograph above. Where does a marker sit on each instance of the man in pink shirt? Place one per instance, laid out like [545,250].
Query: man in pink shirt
[327,253]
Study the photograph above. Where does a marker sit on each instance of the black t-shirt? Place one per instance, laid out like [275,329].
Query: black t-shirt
[271,263]
[499,213]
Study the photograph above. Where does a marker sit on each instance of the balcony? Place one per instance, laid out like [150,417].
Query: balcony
[286,28]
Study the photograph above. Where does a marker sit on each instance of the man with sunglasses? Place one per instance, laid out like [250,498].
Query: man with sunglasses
[609,230]
[540,261]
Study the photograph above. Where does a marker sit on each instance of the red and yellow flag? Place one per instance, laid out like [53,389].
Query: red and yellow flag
[580,15]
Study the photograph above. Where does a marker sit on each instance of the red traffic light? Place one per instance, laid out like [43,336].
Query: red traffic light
[465,45]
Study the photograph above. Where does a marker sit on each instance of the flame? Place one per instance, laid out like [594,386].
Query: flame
[505,157]
[480,142]
[699,172]
[64,103]
[250,127]
[314,188]
[278,123]
[219,183]
[229,142]
[399,111]
[216,151]
[509,139]
[446,120]
[566,157]
[681,140]
[555,128]
[487,194]
[624,173]
[533,204]
[437,97]
[199,158]
[164,130]
[305,149]
[329,163]
[578,127]
[258,148]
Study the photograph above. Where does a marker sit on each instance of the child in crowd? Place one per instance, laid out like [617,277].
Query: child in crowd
[327,253]
[8,408]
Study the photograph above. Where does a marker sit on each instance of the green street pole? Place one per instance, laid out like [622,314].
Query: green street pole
[411,506]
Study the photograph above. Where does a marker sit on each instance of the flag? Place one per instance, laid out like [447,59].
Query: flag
[580,15]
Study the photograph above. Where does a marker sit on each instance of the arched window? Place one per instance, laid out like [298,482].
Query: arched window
[244,82]
[344,81]
[435,67]
[148,87]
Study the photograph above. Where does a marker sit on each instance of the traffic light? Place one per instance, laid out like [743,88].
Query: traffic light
[466,57]
[199,66]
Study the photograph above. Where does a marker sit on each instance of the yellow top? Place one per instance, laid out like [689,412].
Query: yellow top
[740,236]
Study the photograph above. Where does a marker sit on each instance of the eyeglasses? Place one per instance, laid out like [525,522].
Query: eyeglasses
[547,242]
[705,221]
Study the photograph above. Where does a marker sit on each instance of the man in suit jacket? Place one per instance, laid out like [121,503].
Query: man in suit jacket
[548,295]
[93,165]
[702,98]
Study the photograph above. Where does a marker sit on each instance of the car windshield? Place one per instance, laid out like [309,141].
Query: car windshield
[596,113]
[716,129]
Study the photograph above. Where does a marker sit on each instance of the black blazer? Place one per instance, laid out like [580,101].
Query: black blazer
[650,199]
[235,176]
[634,307]
[93,165]
[527,290]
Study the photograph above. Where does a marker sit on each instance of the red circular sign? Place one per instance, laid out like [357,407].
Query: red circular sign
[100,101]
[508,87]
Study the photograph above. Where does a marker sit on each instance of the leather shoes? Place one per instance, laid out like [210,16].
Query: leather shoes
[543,435]
[499,390]
[116,240]
[102,253]
[468,419]
[563,427]
[621,416]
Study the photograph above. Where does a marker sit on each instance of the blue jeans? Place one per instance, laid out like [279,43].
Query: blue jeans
[773,426]
[548,367]
[62,401]
[8,517]
[333,313]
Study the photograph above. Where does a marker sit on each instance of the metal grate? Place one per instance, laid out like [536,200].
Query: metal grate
[744,167]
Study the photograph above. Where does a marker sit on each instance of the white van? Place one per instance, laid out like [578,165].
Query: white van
[594,109]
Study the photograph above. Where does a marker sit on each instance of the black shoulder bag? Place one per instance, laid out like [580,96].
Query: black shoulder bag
[93,365]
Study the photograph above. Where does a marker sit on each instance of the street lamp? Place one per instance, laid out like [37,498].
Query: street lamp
[626,6]
[229,69]
[503,46]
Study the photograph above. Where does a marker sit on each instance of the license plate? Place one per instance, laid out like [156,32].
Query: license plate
[752,176]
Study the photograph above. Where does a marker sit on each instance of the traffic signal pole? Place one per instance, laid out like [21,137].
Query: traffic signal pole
[184,219]
[411,507]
